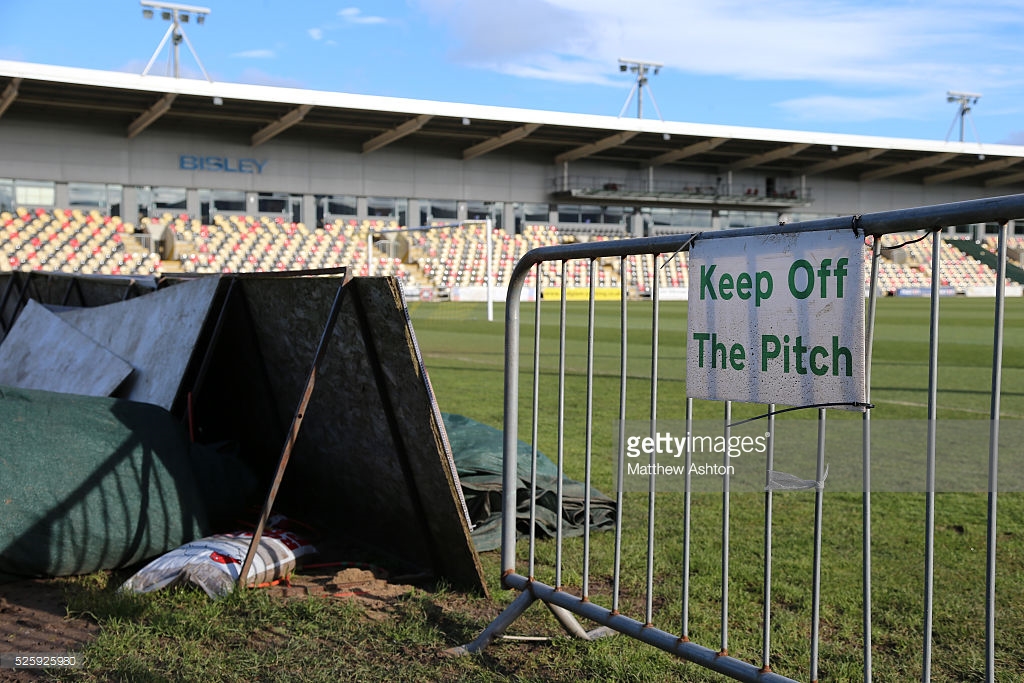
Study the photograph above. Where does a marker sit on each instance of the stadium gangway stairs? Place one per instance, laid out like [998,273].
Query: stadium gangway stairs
[569,602]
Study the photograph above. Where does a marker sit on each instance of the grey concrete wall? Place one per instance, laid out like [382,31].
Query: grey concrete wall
[69,152]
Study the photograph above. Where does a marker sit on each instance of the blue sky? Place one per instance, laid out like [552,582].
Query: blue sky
[841,66]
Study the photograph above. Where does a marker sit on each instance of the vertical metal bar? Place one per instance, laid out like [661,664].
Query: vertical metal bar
[533,440]
[993,462]
[589,435]
[561,429]
[819,492]
[876,250]
[685,632]
[620,453]
[655,310]
[767,608]
[510,445]
[725,536]
[929,530]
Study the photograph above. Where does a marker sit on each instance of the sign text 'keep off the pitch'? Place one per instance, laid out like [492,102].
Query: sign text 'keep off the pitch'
[777,319]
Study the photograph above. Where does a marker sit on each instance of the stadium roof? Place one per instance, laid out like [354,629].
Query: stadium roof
[255,114]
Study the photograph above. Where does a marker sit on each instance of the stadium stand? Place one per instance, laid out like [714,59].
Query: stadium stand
[248,244]
[72,241]
[910,265]
[442,256]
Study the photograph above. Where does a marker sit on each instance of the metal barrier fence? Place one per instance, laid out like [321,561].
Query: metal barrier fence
[569,594]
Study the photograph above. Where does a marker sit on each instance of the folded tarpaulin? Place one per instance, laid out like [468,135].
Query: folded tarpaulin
[89,483]
[477,449]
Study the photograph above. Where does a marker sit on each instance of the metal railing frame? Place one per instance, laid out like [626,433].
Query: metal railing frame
[567,606]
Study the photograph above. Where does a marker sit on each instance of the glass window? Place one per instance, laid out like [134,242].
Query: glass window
[335,205]
[227,202]
[444,209]
[402,211]
[536,213]
[380,207]
[114,195]
[748,219]
[591,214]
[31,193]
[567,213]
[204,206]
[6,195]
[87,195]
[160,200]
[478,211]
[269,202]
[681,218]
[615,215]
[106,198]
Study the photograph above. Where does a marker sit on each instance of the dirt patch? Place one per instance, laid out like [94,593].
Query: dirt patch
[33,619]
[33,612]
[370,587]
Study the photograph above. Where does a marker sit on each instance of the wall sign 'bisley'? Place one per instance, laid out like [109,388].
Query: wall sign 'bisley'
[194,162]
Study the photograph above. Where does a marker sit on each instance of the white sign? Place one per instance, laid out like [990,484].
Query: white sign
[777,319]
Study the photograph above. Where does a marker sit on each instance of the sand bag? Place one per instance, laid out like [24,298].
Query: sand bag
[214,563]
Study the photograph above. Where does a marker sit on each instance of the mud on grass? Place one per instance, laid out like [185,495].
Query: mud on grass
[319,635]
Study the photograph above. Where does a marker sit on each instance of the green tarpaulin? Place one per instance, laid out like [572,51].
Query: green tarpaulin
[477,449]
[92,483]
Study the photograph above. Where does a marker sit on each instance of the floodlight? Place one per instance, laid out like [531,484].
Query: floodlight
[666,136]
[465,121]
[640,68]
[176,14]
[953,96]
[217,101]
[965,100]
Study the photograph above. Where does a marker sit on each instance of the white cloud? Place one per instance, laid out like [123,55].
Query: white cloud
[859,109]
[354,15]
[559,69]
[316,33]
[261,53]
[888,44]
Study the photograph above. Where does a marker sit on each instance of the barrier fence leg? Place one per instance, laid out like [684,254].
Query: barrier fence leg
[496,627]
[515,609]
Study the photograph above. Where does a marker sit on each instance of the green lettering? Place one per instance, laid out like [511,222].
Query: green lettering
[701,337]
[705,282]
[764,287]
[770,348]
[743,285]
[808,269]
[838,351]
[815,353]
[799,350]
[737,354]
[725,286]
